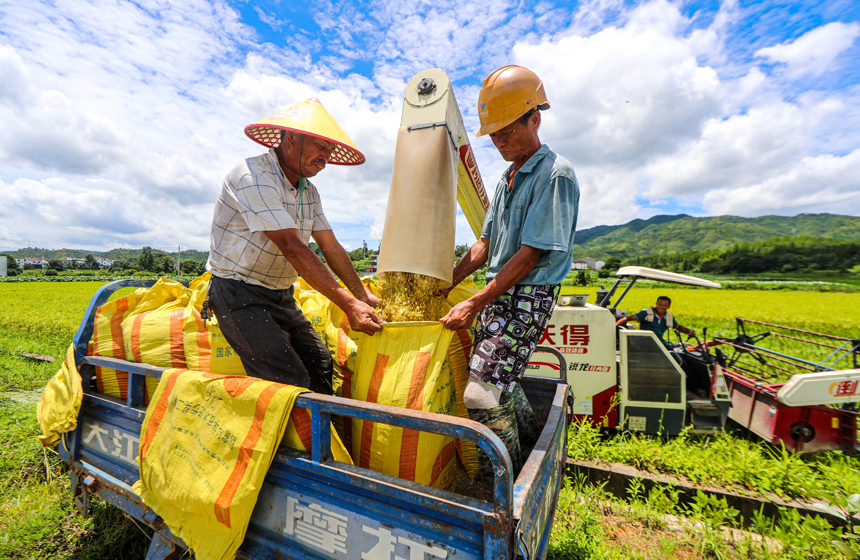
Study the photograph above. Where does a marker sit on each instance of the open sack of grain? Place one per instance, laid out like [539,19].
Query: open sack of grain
[415,364]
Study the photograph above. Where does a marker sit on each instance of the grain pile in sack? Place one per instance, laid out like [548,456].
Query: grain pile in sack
[205,447]
[160,326]
[60,402]
[344,346]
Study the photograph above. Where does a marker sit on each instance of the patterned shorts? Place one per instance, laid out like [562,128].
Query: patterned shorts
[507,332]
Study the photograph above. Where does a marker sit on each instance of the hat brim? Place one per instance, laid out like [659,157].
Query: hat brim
[270,136]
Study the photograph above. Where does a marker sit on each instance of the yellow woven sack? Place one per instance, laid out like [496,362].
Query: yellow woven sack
[343,346]
[60,402]
[403,366]
[152,330]
[458,361]
[206,349]
[314,306]
[160,326]
[108,341]
[205,446]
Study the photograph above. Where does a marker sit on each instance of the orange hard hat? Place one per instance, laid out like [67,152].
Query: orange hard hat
[507,94]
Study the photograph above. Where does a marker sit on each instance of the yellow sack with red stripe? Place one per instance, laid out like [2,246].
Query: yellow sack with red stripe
[60,402]
[160,326]
[206,444]
[342,343]
[403,366]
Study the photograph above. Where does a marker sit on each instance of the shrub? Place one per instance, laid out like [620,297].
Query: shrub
[51,272]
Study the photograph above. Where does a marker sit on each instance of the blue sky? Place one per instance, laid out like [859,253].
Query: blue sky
[120,119]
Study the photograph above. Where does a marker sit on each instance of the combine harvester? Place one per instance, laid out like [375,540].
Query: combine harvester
[360,514]
[629,380]
[815,410]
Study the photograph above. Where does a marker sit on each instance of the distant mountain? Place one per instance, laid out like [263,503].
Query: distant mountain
[35,252]
[662,235]
[659,235]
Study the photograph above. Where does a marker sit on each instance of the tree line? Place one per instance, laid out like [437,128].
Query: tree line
[774,255]
[147,261]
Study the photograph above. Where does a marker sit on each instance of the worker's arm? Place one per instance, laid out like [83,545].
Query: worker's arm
[463,314]
[623,321]
[361,316]
[685,330]
[472,260]
[340,263]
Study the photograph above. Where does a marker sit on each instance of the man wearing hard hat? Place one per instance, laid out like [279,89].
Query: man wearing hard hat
[264,217]
[527,241]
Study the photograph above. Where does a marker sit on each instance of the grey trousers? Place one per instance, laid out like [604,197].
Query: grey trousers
[272,337]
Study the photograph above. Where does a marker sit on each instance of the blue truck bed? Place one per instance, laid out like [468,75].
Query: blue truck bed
[314,507]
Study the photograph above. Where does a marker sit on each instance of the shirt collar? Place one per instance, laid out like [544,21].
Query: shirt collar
[529,165]
[542,152]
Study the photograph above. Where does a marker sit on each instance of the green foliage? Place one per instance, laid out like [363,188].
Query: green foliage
[56,264]
[724,460]
[460,250]
[51,272]
[663,235]
[848,510]
[362,264]
[577,533]
[772,255]
[190,266]
[146,260]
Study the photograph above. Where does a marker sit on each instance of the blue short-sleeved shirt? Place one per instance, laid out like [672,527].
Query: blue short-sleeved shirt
[658,326]
[540,211]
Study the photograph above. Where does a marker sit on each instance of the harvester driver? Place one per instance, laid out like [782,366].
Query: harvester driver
[527,241]
[657,319]
[264,217]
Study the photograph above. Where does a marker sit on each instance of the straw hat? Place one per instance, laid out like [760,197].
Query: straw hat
[308,117]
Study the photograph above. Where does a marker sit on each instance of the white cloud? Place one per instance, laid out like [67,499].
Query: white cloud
[135,112]
[813,52]
[825,183]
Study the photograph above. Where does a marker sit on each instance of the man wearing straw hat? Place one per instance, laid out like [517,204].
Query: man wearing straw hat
[527,242]
[264,217]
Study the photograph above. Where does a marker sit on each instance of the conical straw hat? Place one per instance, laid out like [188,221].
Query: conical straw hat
[308,117]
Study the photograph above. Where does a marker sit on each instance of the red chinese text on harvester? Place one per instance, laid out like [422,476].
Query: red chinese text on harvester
[569,339]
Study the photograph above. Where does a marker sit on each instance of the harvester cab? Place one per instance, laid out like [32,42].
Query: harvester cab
[629,379]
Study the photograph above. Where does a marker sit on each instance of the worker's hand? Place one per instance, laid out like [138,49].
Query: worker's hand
[461,316]
[363,318]
[371,300]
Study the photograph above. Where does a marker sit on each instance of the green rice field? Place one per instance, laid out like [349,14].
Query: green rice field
[37,519]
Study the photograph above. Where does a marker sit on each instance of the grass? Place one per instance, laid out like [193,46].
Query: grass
[37,516]
[592,525]
[726,459]
[816,311]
